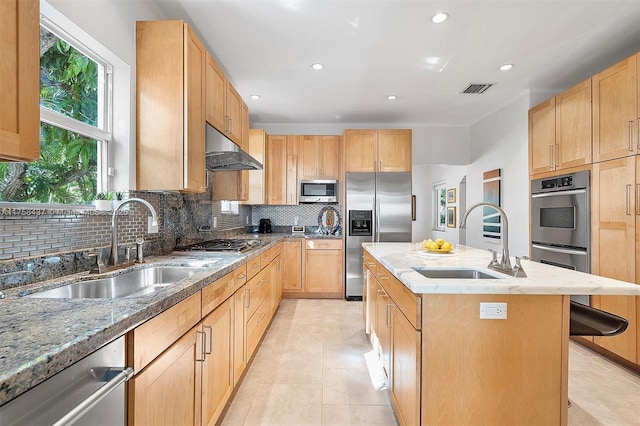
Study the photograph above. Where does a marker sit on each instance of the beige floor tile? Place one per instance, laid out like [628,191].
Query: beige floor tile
[299,368]
[358,415]
[339,355]
[350,386]
[286,404]
[236,414]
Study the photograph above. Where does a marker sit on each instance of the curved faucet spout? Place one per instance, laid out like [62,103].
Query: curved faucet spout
[505,263]
[113,258]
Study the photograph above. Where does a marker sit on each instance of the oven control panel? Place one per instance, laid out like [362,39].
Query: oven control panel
[572,181]
[557,182]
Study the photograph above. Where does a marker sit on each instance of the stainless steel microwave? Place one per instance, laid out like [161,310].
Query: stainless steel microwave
[318,191]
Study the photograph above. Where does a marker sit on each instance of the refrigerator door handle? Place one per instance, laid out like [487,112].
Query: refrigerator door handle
[377,220]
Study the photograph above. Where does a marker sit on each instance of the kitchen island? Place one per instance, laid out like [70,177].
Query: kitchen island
[446,364]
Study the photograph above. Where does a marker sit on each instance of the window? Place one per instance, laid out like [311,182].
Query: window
[75,121]
[439,206]
[229,207]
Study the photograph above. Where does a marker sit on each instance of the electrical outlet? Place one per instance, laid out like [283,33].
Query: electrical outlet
[151,228]
[247,220]
[215,222]
[493,310]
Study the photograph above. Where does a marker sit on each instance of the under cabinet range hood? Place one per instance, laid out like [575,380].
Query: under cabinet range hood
[222,154]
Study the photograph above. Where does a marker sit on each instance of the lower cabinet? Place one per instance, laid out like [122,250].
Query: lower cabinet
[383,328]
[188,359]
[313,268]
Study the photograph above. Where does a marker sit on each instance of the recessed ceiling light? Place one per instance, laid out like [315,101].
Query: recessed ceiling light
[317,66]
[392,97]
[439,17]
[254,96]
[506,67]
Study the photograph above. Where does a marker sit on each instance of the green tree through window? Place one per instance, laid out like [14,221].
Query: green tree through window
[68,166]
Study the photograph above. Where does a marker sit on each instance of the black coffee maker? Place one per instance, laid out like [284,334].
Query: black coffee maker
[265,226]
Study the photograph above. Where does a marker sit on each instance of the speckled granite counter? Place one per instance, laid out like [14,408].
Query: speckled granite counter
[400,258]
[40,337]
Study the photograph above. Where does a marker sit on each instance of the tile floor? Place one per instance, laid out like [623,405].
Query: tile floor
[310,370]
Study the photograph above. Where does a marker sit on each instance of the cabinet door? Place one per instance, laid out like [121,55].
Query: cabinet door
[275,283]
[360,150]
[19,74]
[323,271]
[167,392]
[542,137]
[226,185]
[405,376]
[217,367]
[308,164]
[329,155]
[292,258]
[257,142]
[195,94]
[383,328]
[244,140]
[615,111]
[370,304]
[614,244]
[234,114]
[394,150]
[573,126]
[239,335]
[275,170]
[216,86]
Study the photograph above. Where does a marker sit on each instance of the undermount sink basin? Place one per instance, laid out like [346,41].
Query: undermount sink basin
[138,283]
[458,273]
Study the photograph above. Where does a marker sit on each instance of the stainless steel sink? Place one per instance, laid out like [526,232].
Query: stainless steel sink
[457,273]
[133,283]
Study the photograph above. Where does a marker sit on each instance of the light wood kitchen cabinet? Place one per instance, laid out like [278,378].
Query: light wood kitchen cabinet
[383,328]
[217,364]
[292,180]
[615,111]
[275,170]
[615,243]
[560,131]
[170,101]
[168,391]
[257,149]
[292,262]
[239,332]
[230,185]
[320,157]
[244,141]
[224,106]
[275,279]
[377,150]
[404,387]
[323,268]
[19,77]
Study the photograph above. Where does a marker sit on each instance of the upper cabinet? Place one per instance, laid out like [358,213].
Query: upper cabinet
[377,150]
[224,104]
[615,111]
[319,157]
[170,79]
[257,147]
[560,131]
[19,80]
[281,163]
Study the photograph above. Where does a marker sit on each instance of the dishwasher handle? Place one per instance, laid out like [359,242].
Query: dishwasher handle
[80,409]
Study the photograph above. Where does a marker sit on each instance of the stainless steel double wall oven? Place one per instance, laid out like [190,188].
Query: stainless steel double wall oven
[561,222]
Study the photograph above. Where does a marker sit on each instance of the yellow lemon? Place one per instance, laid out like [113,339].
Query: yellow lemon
[424,244]
[433,245]
[439,242]
[446,246]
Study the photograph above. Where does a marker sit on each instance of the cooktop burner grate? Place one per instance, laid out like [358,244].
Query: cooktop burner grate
[231,245]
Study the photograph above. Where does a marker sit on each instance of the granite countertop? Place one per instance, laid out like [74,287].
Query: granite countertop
[400,258]
[41,337]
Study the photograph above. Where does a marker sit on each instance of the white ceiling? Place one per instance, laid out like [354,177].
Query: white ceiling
[374,48]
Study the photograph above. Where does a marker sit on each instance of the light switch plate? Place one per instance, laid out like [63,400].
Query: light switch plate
[493,310]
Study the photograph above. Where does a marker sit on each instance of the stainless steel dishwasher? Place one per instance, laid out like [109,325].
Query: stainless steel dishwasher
[89,392]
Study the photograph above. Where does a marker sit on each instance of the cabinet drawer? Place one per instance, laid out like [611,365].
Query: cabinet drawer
[266,257]
[256,327]
[241,274]
[409,303]
[150,339]
[220,290]
[253,267]
[257,291]
[321,244]
[369,262]
[277,250]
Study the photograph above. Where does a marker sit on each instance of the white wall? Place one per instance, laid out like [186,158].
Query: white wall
[424,176]
[113,25]
[501,141]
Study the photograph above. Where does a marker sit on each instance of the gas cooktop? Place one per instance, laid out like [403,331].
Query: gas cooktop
[238,245]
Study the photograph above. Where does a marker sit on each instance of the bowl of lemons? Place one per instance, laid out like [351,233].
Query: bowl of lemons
[437,246]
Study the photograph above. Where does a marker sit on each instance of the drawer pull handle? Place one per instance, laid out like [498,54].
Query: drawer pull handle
[247,300]
[242,276]
[262,283]
[262,317]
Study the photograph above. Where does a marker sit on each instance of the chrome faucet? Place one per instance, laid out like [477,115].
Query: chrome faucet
[504,265]
[113,258]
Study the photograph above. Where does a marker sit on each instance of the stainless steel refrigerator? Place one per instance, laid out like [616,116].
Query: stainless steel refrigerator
[378,209]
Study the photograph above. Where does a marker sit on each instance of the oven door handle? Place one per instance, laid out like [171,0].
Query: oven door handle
[559,250]
[559,193]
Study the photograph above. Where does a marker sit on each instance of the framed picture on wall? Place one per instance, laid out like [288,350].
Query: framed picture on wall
[451,195]
[451,217]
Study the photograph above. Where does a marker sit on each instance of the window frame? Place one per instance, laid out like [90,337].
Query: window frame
[439,194]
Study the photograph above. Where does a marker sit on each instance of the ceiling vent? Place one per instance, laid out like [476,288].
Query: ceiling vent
[477,88]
